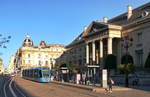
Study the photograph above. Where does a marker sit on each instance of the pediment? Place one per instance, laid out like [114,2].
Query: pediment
[94,27]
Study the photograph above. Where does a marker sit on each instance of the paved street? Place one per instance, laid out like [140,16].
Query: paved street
[55,90]
[18,87]
[8,88]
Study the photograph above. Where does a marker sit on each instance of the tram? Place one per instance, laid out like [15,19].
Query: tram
[38,74]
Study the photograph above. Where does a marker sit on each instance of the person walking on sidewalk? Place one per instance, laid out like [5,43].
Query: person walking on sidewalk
[110,83]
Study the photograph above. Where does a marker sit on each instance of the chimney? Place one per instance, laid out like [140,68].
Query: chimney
[129,11]
[99,20]
[105,20]
[85,28]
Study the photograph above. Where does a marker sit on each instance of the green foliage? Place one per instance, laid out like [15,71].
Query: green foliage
[74,68]
[110,62]
[63,64]
[127,59]
[56,67]
[147,63]
[126,68]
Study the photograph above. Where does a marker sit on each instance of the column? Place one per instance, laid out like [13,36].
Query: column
[97,57]
[101,51]
[87,53]
[93,52]
[109,50]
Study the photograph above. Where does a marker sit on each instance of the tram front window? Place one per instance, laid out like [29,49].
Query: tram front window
[46,73]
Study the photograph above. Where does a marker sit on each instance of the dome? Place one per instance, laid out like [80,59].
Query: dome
[28,42]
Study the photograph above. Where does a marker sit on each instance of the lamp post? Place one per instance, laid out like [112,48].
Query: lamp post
[127,43]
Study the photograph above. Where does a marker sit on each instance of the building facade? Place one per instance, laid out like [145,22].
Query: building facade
[11,66]
[1,66]
[126,34]
[29,55]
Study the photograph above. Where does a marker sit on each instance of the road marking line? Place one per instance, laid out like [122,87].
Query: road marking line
[19,91]
[11,90]
[4,89]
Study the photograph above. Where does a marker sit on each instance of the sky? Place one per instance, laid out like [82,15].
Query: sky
[54,21]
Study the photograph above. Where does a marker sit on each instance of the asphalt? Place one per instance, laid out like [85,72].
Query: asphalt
[64,89]
[9,88]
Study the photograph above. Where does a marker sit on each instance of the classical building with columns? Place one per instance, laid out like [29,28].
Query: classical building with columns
[30,55]
[124,34]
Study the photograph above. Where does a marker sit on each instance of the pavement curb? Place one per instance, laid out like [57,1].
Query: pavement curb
[91,88]
[73,85]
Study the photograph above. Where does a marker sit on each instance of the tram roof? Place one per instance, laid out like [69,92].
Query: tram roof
[37,68]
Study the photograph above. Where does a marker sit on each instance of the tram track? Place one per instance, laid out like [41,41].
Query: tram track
[10,89]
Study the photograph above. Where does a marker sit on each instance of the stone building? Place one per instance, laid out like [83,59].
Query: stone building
[125,34]
[30,55]
[1,66]
[11,66]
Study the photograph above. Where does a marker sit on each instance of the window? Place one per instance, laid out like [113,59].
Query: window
[39,73]
[139,58]
[39,55]
[46,62]
[23,62]
[139,37]
[29,61]
[46,56]
[28,55]
[40,63]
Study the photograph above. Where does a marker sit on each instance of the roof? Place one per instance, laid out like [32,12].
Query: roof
[136,14]
[119,20]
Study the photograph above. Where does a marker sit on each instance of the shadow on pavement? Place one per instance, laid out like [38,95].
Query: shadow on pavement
[137,87]
[26,93]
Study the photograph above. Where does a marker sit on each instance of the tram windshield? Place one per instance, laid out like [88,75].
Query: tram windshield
[46,73]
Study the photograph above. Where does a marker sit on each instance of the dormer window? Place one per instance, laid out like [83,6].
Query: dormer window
[145,13]
[43,44]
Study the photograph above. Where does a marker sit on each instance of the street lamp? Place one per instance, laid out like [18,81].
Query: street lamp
[127,43]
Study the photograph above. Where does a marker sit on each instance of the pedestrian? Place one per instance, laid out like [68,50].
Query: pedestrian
[110,83]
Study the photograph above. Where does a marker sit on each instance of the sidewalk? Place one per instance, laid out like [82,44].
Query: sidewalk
[92,88]
[59,89]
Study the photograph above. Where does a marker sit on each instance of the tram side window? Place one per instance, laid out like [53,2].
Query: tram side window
[39,73]
[27,73]
[23,72]
[30,73]
[36,73]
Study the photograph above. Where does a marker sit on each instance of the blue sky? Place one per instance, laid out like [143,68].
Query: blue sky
[55,21]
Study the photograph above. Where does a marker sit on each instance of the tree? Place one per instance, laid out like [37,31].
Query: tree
[126,69]
[4,40]
[56,67]
[127,59]
[147,63]
[63,64]
[74,68]
[110,62]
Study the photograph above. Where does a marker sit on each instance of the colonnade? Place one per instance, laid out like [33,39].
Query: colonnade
[98,60]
